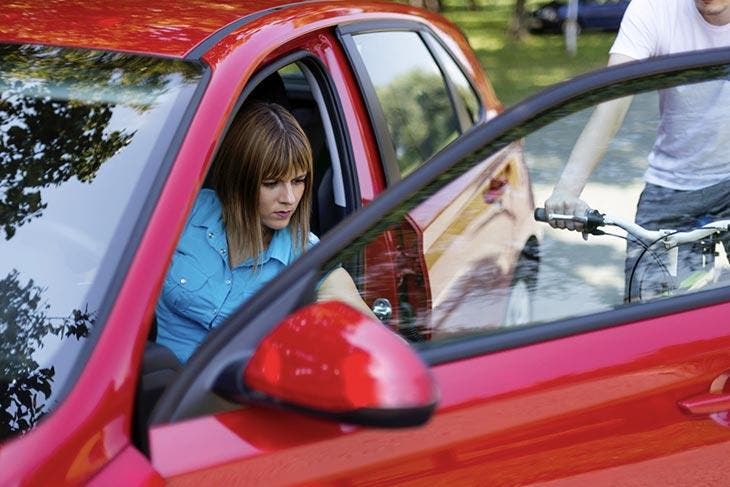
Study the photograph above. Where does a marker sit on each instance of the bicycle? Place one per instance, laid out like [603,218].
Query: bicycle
[704,239]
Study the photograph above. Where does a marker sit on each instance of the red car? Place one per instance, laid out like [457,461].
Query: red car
[109,120]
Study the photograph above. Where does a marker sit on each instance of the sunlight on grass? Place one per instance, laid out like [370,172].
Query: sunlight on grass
[486,43]
[518,69]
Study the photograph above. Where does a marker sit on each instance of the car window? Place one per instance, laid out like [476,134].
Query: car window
[467,258]
[412,93]
[81,133]
[463,88]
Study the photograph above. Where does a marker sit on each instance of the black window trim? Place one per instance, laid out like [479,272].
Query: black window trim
[457,104]
[247,327]
[386,147]
[481,116]
[456,100]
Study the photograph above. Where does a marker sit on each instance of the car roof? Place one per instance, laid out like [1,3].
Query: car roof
[160,27]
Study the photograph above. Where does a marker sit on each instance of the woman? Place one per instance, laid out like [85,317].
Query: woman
[244,233]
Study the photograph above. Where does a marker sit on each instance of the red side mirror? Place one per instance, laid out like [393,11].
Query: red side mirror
[331,360]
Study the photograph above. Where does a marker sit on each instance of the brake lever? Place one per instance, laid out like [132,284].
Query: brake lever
[595,231]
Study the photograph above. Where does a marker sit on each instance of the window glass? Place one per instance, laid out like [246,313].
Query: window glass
[78,132]
[464,256]
[412,92]
[463,87]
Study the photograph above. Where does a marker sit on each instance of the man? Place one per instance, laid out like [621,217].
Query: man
[688,178]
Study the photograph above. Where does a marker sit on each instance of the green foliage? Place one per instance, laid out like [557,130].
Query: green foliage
[418,113]
[518,69]
[91,77]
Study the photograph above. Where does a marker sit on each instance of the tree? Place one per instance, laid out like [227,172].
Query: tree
[518,24]
[419,116]
[432,5]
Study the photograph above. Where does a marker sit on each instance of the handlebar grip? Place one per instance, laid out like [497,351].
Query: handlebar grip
[541,215]
[592,220]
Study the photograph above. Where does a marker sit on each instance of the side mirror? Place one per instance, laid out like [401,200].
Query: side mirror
[330,360]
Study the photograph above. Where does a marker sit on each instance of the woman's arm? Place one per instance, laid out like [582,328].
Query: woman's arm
[338,285]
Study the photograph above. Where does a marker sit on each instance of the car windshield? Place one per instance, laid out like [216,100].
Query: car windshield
[82,135]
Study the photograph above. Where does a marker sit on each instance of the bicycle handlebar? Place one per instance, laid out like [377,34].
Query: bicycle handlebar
[593,219]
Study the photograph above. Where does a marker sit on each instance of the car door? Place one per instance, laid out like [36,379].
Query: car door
[592,392]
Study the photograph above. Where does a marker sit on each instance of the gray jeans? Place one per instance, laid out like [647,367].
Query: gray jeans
[665,208]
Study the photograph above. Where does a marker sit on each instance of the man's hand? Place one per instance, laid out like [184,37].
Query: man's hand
[566,203]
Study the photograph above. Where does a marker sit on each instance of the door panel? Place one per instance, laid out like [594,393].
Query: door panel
[577,407]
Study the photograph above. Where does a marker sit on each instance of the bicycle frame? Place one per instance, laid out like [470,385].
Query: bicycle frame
[671,239]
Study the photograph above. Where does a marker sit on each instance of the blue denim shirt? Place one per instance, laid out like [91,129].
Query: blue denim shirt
[201,290]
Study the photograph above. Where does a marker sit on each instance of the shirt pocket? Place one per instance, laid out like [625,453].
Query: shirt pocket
[187,290]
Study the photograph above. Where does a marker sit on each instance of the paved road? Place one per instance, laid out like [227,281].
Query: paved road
[578,276]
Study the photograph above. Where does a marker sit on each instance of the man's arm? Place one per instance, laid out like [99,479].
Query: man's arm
[587,152]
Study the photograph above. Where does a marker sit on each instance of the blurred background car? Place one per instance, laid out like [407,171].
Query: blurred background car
[592,15]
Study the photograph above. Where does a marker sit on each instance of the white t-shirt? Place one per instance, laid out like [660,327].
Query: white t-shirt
[692,148]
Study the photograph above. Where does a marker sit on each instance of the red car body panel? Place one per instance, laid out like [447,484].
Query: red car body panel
[130,467]
[513,416]
[523,421]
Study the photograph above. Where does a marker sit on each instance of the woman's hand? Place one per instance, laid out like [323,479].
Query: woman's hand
[338,285]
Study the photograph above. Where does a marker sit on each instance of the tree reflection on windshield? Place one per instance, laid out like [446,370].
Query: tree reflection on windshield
[77,132]
[24,326]
[47,143]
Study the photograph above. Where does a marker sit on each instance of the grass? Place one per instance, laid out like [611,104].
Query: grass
[520,68]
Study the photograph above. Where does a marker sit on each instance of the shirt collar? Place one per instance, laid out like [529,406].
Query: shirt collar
[207,212]
[280,247]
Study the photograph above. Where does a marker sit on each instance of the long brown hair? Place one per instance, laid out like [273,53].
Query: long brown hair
[264,141]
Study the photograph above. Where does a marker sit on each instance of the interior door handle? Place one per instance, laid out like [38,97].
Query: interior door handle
[717,400]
